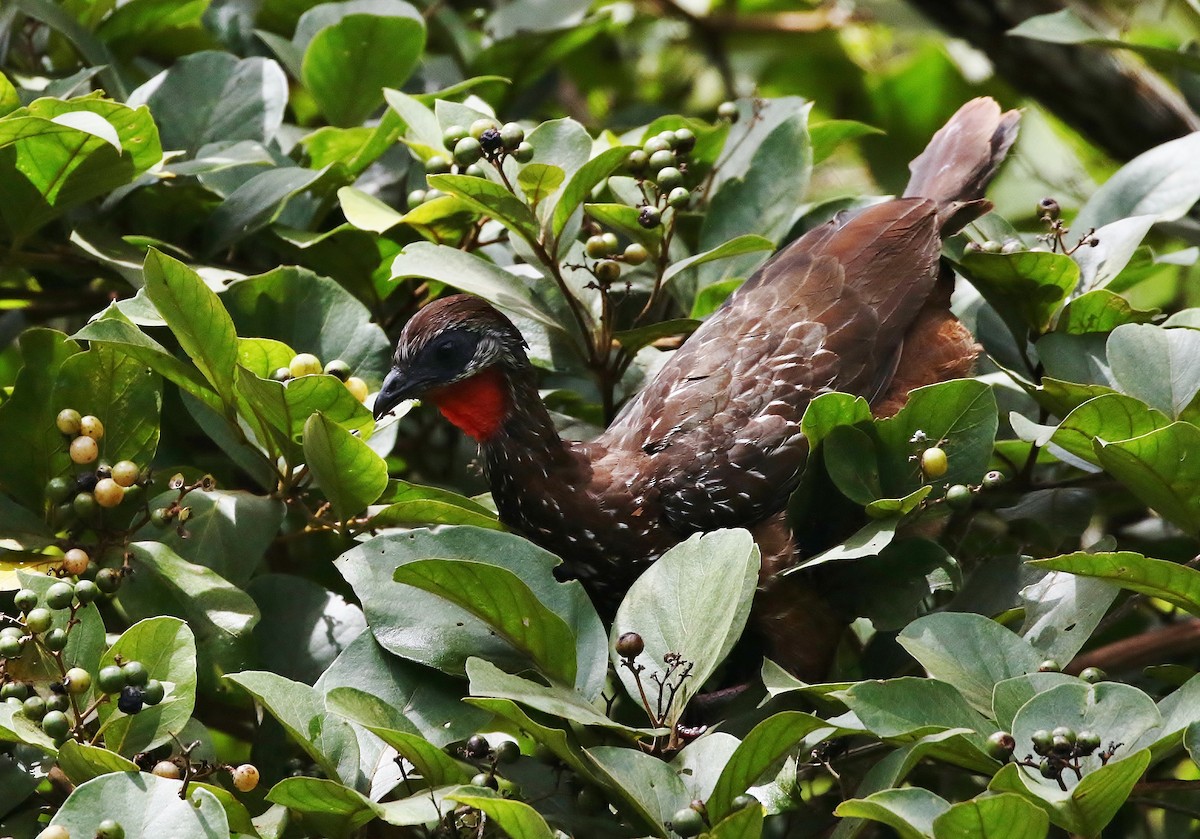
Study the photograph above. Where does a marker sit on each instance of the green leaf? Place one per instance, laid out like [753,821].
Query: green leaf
[538,181]
[895,507]
[414,504]
[195,314]
[1170,581]
[1026,287]
[345,468]
[693,602]
[1001,816]
[633,340]
[1100,311]
[649,784]
[828,135]
[623,219]
[746,823]
[1156,469]
[909,708]
[85,643]
[830,410]
[517,819]
[347,65]
[257,202]
[146,806]
[1116,244]
[490,199]
[853,463]
[366,212]
[401,623]
[168,649]
[970,652]
[1110,417]
[739,245]
[337,810]
[1159,366]
[910,811]
[1011,695]
[1062,610]
[328,740]
[868,540]
[82,762]
[470,273]
[712,297]
[582,182]
[500,599]
[768,741]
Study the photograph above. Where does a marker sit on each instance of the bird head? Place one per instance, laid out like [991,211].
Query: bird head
[456,351]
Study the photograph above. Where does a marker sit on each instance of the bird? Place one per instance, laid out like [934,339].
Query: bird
[859,304]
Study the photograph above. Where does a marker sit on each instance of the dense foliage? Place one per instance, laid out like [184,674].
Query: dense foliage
[230,605]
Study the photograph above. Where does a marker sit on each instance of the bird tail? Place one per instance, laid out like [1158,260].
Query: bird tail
[960,161]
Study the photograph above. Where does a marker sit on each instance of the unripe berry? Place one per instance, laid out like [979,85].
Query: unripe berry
[167,769]
[934,462]
[1093,675]
[687,823]
[596,247]
[59,489]
[685,140]
[452,135]
[78,681]
[630,645]
[153,692]
[416,198]
[485,779]
[437,165]
[281,374]
[655,145]
[636,254]
[511,135]
[958,497]
[993,478]
[1049,666]
[668,178]
[84,450]
[110,679]
[55,640]
[608,271]
[135,673]
[68,421]
[729,111]
[34,708]
[524,153]
[86,591]
[1042,741]
[679,197]
[91,426]
[108,580]
[11,647]
[467,151]
[25,599]
[304,364]
[38,620]
[507,751]
[55,724]
[109,493]
[481,125]
[338,369]
[357,387]
[58,702]
[125,473]
[109,829]
[661,160]
[637,161]
[60,595]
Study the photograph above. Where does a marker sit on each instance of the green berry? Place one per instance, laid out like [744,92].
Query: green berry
[14,690]
[108,580]
[159,517]
[1093,675]
[743,801]
[1049,666]
[507,751]
[661,160]
[109,829]
[55,640]
[1001,745]
[38,620]
[524,153]
[135,673]
[59,489]
[990,247]
[511,135]
[1042,741]
[958,497]
[596,247]
[608,271]
[934,462]
[58,702]
[281,374]
[1049,769]
[153,692]
[729,111]
[687,822]
[11,647]
[55,724]
[1087,741]
[635,254]
[993,478]
[475,171]
[452,135]
[338,369]
[68,421]
[34,707]
[84,504]
[437,165]
[304,364]
[86,591]
[1061,746]
[467,151]
[25,599]
[668,178]
[637,161]
[110,679]
[416,198]
[485,779]
[78,681]
[679,198]
[60,595]
[1012,246]
[655,145]
[685,140]
[1065,732]
[481,125]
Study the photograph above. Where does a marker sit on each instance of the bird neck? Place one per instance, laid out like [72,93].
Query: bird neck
[478,405]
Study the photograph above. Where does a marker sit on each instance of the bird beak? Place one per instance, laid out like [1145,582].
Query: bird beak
[394,391]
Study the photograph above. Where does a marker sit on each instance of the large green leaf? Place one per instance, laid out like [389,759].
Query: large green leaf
[517,819]
[581,184]
[349,63]
[490,199]
[651,785]
[501,600]
[1159,366]
[909,708]
[1156,468]
[909,811]
[1001,816]
[1170,581]
[1026,287]
[1109,418]
[1101,311]
[146,807]
[413,504]
[257,202]
[693,603]
[346,469]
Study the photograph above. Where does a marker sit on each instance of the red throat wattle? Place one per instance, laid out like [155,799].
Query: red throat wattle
[477,405]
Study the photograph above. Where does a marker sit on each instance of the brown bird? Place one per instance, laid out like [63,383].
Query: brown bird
[858,305]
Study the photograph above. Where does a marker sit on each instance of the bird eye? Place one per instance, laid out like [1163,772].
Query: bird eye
[444,350]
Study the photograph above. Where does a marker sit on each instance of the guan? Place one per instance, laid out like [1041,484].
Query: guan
[859,304]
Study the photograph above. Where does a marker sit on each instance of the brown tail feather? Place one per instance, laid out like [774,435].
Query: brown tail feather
[960,160]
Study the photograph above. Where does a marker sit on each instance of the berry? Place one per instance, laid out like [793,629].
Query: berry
[109,493]
[1048,769]
[154,692]
[1064,732]
[1001,745]
[91,426]
[84,450]
[78,681]
[59,489]
[475,171]
[167,769]
[1049,666]
[610,241]
[636,254]
[110,679]
[86,591]
[1012,246]
[56,724]
[490,141]
[436,165]
[452,135]
[662,159]
[679,197]
[103,470]
[1093,675]
[687,822]
[108,580]
[34,707]
[75,562]
[109,829]
[304,364]
[524,153]
[1061,746]
[11,647]
[630,645]
[596,247]
[245,777]
[990,246]
[58,702]
[281,374]
[608,271]
[12,632]
[958,497]
[511,135]
[485,779]
[55,831]
[477,747]
[130,701]
[507,788]
[68,420]
[434,193]
[655,145]
[125,473]
[357,387]
[668,178]
[14,690]
[685,140]
[60,595]
[159,517]
[1042,741]
[55,640]
[481,125]
[1047,208]
[507,751]
[38,620]
[637,161]
[467,151]
[993,478]
[589,800]
[25,599]
[135,673]
[649,217]
[84,503]
[934,462]
[743,801]
[1087,741]
[729,111]
[338,369]
[416,198]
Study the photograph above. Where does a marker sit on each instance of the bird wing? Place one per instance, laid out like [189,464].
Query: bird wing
[718,429]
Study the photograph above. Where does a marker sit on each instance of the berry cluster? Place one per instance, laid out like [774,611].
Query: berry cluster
[162,763]
[104,486]
[130,682]
[693,819]
[606,250]
[307,364]
[935,463]
[484,140]
[660,166]
[106,829]
[1060,750]
[487,759]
